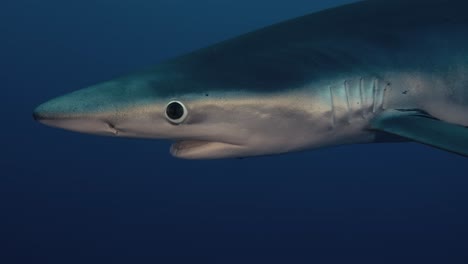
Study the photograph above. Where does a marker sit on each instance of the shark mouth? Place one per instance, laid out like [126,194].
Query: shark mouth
[198,149]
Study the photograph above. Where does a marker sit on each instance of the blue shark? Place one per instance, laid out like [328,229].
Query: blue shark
[367,72]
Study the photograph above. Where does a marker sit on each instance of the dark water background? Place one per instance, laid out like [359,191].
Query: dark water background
[73,198]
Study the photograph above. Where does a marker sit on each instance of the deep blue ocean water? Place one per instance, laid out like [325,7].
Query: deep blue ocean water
[74,198]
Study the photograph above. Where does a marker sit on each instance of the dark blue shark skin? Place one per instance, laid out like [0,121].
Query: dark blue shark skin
[368,38]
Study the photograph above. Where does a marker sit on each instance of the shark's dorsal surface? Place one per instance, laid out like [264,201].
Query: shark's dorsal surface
[314,46]
[359,73]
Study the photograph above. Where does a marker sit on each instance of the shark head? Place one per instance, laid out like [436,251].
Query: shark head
[205,120]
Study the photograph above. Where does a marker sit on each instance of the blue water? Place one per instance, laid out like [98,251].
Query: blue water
[73,198]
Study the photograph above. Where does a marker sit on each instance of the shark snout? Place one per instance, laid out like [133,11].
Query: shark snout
[45,112]
[87,111]
[91,123]
[37,115]
[64,107]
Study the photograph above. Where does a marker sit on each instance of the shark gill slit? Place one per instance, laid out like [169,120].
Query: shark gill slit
[382,87]
[361,98]
[346,88]
[385,95]
[332,103]
[374,95]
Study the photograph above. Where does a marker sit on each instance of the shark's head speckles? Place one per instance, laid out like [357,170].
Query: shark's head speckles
[95,109]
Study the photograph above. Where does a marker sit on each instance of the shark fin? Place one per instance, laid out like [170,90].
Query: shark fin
[423,128]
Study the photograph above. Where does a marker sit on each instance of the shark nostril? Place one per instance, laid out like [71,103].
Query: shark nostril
[113,129]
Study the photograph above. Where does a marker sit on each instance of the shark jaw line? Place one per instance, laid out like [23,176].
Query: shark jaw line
[203,149]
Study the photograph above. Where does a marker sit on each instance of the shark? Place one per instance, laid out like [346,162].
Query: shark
[366,72]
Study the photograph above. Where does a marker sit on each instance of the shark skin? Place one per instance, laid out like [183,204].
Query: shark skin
[371,71]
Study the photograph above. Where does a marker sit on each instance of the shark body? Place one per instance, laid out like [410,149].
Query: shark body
[372,71]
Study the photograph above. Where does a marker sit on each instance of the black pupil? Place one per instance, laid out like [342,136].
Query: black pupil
[175,110]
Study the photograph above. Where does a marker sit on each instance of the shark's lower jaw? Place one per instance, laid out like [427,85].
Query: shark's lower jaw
[197,149]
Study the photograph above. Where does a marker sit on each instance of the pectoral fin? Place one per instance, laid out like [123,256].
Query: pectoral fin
[422,128]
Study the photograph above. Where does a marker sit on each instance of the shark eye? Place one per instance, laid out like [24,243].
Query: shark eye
[176,112]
